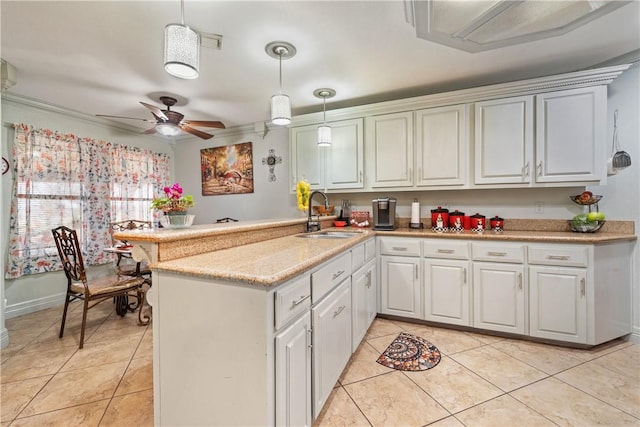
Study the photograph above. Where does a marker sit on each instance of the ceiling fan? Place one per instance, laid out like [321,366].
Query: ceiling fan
[172,123]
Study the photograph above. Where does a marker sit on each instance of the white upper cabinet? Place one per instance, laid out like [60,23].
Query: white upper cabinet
[389,150]
[441,146]
[339,166]
[504,140]
[571,135]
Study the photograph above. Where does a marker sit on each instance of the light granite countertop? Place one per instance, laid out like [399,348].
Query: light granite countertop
[274,261]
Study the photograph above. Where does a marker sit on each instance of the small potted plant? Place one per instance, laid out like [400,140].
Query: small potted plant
[174,205]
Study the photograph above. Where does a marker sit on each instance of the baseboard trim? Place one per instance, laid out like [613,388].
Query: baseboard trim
[33,305]
[635,335]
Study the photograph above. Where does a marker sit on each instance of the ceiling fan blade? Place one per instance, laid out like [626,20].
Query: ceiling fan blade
[195,132]
[129,118]
[155,110]
[205,123]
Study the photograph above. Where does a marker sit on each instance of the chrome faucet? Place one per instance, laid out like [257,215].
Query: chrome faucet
[314,225]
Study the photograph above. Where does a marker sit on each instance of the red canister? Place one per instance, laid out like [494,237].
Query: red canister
[478,221]
[496,222]
[444,214]
[456,215]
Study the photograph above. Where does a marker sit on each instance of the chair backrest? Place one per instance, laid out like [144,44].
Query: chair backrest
[130,224]
[70,254]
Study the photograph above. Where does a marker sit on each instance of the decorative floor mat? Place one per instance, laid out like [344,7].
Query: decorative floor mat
[410,353]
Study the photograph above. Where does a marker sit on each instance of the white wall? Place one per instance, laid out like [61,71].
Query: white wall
[35,292]
[269,199]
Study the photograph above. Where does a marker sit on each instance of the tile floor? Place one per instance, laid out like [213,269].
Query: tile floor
[480,381]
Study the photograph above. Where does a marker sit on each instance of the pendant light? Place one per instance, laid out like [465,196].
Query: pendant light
[181,50]
[324,130]
[280,103]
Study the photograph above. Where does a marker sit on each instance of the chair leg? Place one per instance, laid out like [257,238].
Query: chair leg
[64,316]
[84,321]
[142,319]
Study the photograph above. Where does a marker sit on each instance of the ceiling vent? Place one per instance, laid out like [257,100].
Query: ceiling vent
[475,26]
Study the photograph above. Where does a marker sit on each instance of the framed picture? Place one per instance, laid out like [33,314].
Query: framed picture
[227,170]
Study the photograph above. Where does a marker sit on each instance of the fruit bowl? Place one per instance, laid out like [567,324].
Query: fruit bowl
[321,210]
[579,199]
[586,227]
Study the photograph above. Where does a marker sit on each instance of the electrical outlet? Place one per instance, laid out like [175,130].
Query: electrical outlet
[539,207]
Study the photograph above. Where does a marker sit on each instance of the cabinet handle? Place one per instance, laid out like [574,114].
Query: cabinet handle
[339,310]
[582,287]
[445,251]
[490,253]
[302,298]
[360,180]
[539,169]
[520,281]
[464,275]
[416,265]
[336,275]
[310,338]
[525,170]
[399,248]
[368,285]
[559,257]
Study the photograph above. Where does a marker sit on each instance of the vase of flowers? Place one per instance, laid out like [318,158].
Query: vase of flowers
[303,190]
[175,205]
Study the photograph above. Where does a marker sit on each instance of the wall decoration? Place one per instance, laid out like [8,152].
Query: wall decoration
[272,160]
[5,166]
[227,170]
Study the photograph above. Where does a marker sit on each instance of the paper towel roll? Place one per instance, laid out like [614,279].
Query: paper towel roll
[415,212]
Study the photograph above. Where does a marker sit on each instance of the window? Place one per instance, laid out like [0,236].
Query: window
[82,183]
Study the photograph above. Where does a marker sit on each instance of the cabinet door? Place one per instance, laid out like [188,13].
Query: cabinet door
[571,135]
[441,146]
[389,146]
[293,374]
[504,130]
[307,160]
[499,297]
[331,342]
[558,303]
[363,302]
[400,286]
[446,291]
[345,156]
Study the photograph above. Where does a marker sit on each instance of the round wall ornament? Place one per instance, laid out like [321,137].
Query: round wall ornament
[5,166]
[271,161]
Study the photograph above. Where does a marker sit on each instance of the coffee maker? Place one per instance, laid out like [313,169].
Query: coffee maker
[384,213]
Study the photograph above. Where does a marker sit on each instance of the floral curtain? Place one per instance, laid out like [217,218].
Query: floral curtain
[83,183]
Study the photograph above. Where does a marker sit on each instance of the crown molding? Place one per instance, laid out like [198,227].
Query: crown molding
[585,78]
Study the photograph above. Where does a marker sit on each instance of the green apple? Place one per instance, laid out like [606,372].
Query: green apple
[595,216]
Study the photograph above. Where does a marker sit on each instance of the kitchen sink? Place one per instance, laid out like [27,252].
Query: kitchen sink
[327,235]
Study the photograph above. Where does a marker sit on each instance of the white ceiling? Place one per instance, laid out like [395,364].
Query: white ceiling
[103,57]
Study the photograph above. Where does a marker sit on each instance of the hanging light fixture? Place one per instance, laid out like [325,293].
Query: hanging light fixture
[181,50]
[324,130]
[280,103]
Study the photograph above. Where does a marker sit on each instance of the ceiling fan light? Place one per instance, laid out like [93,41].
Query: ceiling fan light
[168,129]
[280,110]
[181,51]
[324,136]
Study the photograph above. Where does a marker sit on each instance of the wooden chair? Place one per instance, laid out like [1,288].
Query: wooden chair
[92,291]
[139,268]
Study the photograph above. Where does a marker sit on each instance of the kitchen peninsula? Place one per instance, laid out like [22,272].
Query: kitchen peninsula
[233,314]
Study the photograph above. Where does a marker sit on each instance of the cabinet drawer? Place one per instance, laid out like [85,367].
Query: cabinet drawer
[328,276]
[291,300]
[401,247]
[572,256]
[498,252]
[357,257]
[369,249]
[442,248]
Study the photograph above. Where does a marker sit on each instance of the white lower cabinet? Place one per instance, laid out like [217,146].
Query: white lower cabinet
[293,373]
[558,303]
[446,291]
[364,306]
[400,286]
[331,341]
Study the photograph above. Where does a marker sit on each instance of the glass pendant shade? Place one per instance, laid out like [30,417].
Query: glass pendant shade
[181,51]
[324,135]
[280,110]
[168,129]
